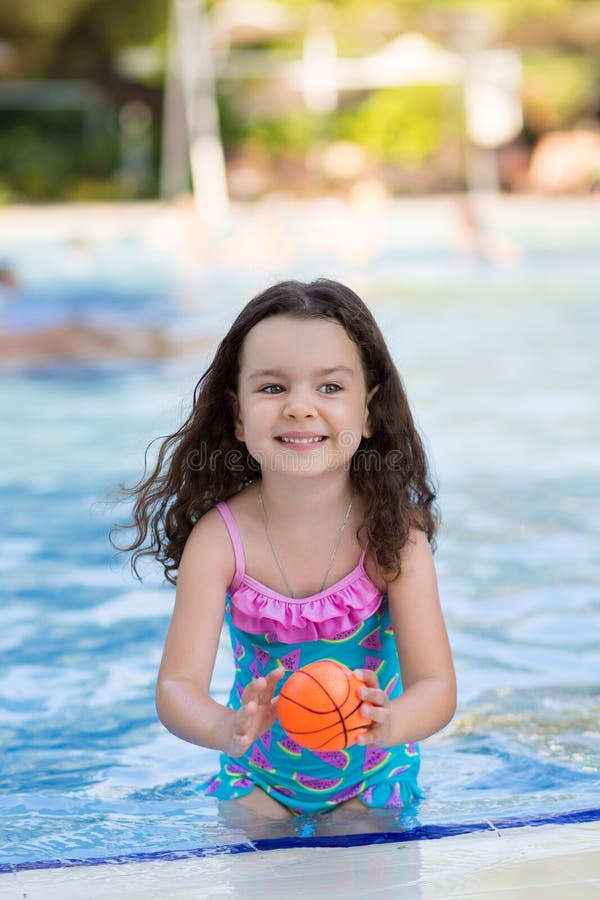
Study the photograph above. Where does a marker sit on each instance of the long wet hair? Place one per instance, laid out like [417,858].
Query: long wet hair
[203,462]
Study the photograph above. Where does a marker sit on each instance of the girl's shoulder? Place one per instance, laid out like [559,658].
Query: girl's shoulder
[243,506]
[213,532]
[209,540]
[413,552]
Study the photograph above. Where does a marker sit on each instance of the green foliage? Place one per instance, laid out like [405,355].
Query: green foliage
[70,162]
[52,155]
[405,126]
[402,125]
[138,20]
[557,88]
[35,170]
[292,134]
[39,16]
[78,38]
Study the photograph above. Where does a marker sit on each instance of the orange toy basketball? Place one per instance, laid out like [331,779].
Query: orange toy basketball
[319,706]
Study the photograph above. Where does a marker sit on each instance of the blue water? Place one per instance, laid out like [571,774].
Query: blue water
[503,370]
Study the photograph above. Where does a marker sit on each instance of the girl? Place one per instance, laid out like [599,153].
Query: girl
[295,504]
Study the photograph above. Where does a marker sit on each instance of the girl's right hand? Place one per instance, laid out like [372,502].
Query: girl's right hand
[256,714]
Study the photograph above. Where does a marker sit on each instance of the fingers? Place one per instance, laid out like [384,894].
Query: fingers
[376,707]
[274,677]
[374,696]
[371,738]
[376,700]
[257,712]
[368,676]
[243,731]
[254,690]
[378,734]
[261,689]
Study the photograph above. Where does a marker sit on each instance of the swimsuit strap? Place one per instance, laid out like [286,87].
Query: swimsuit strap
[240,562]
[364,553]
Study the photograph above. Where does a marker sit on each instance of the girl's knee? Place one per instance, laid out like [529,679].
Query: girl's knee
[260,803]
[355,803]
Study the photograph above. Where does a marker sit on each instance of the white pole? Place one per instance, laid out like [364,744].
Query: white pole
[319,71]
[207,159]
[174,161]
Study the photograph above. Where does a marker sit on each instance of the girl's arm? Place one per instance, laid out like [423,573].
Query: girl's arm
[183,702]
[429,698]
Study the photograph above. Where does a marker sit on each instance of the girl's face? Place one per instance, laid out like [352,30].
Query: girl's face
[302,402]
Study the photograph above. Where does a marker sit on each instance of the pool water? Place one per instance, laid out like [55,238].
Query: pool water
[503,371]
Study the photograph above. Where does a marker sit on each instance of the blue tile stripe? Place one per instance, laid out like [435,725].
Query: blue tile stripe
[421,833]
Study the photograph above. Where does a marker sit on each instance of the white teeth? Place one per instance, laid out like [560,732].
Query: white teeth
[314,440]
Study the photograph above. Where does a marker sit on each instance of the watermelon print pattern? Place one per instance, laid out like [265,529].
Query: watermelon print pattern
[374,663]
[213,786]
[340,759]
[375,758]
[254,671]
[347,794]
[261,655]
[257,758]
[367,796]
[391,686]
[308,781]
[290,661]
[396,798]
[317,785]
[233,768]
[372,641]
[280,789]
[344,635]
[290,747]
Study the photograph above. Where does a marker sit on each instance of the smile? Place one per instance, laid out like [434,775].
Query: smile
[313,440]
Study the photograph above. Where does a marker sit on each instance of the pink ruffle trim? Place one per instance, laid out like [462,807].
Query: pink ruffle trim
[324,615]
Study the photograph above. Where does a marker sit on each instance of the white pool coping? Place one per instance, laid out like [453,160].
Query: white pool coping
[554,862]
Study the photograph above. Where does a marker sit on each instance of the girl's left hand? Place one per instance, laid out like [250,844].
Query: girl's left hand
[376,707]
[256,714]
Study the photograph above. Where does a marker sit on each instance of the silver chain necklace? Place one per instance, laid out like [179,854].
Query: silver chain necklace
[276,554]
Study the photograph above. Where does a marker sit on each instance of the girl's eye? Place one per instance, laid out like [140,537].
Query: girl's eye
[335,388]
[271,389]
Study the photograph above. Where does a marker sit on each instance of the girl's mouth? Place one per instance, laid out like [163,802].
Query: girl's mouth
[302,442]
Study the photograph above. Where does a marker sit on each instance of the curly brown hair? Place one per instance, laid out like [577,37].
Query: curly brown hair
[203,462]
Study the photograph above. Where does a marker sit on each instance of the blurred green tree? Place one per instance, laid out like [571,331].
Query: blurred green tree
[403,125]
[558,88]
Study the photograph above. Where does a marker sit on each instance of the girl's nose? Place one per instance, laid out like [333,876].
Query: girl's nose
[299,404]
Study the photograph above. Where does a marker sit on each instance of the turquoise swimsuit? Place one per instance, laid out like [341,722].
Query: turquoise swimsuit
[348,622]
